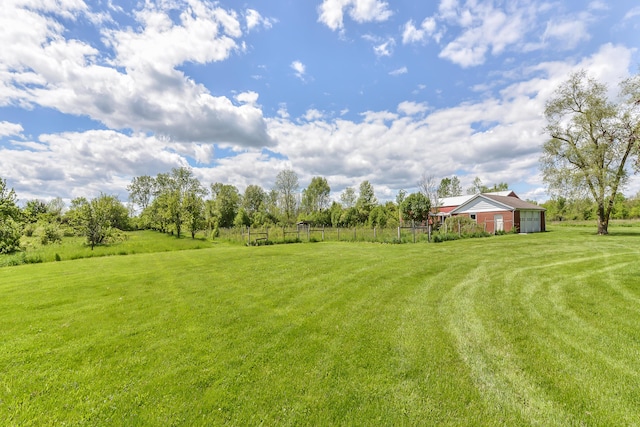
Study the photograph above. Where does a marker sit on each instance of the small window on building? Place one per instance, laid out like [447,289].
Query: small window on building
[472,216]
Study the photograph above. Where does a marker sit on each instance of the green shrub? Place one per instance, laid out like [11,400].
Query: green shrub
[443,237]
[12,260]
[461,225]
[10,233]
[115,235]
[32,259]
[29,229]
[50,233]
[69,232]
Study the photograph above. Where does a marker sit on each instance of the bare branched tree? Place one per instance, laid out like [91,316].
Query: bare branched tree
[428,185]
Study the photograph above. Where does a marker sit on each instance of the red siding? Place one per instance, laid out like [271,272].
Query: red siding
[486,219]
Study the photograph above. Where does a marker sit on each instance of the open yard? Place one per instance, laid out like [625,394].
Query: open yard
[540,329]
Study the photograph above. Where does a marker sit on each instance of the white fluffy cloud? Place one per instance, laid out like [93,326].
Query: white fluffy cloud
[385,48]
[411,108]
[10,129]
[73,164]
[485,29]
[202,34]
[566,32]
[255,20]
[331,12]
[480,29]
[138,88]
[399,71]
[299,68]
[413,34]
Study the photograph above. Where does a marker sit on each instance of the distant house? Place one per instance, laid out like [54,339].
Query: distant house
[499,211]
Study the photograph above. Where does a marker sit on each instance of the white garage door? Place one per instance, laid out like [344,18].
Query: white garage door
[529,221]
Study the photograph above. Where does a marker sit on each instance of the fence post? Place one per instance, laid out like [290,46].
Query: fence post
[459,232]
[413,230]
[374,233]
[308,233]
[249,236]
[398,234]
[429,234]
[323,232]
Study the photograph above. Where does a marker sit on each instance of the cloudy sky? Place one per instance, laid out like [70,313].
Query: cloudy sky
[93,93]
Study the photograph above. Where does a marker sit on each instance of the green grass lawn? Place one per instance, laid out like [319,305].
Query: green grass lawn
[539,329]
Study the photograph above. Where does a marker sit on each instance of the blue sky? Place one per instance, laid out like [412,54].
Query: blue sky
[95,93]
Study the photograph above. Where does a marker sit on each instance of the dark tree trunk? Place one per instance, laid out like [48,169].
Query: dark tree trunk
[603,220]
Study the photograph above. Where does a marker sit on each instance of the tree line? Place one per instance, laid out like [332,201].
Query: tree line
[564,209]
[177,201]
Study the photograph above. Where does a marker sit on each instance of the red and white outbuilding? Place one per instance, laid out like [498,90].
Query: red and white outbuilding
[498,212]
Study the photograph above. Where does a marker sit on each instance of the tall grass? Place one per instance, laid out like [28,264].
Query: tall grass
[72,248]
[513,330]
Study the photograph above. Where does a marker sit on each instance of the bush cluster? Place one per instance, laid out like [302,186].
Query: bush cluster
[443,237]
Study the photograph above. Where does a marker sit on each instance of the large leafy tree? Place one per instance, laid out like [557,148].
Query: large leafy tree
[170,199]
[184,195]
[271,206]
[194,210]
[224,204]
[315,197]
[287,187]
[96,219]
[478,187]
[254,201]
[591,141]
[348,197]
[366,201]
[141,191]
[10,224]
[34,210]
[416,207]
[378,216]
[450,187]
[157,212]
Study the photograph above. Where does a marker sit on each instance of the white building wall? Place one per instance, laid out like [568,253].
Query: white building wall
[483,205]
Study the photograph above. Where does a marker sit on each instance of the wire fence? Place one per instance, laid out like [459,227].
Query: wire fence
[270,235]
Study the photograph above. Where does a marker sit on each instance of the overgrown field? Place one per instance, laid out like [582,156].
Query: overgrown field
[539,329]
